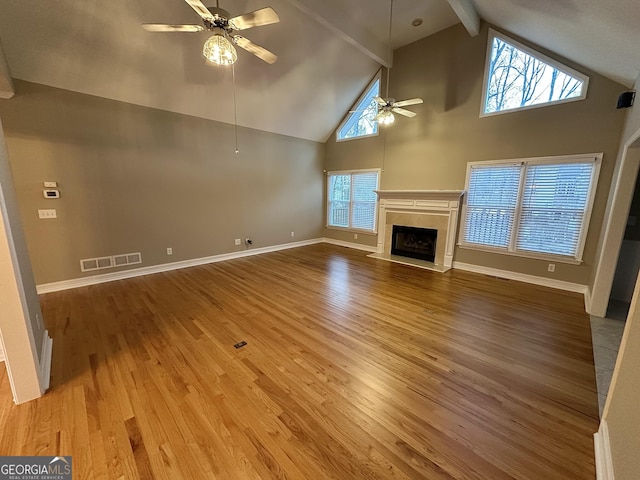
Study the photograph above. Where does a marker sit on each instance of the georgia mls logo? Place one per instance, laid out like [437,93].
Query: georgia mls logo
[35,468]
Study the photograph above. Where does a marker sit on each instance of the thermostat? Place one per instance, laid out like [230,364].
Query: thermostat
[51,193]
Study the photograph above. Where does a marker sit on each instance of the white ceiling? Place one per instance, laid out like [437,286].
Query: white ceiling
[328,51]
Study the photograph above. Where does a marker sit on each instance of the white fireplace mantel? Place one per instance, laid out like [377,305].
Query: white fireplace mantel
[435,209]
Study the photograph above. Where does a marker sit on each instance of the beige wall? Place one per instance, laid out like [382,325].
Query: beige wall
[431,151]
[136,179]
[21,326]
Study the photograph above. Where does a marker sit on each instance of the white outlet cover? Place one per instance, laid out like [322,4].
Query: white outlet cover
[237,241]
[47,213]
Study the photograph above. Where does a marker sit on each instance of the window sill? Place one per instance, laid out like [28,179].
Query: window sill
[353,230]
[531,255]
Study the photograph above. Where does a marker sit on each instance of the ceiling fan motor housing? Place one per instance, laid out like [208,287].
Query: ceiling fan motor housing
[220,19]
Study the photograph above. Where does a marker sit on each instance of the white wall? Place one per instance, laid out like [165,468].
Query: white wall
[25,342]
[618,439]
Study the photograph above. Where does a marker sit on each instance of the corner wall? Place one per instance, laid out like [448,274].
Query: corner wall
[136,179]
[431,151]
[619,432]
[21,327]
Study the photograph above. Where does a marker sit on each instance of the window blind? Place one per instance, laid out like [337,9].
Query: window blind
[339,199]
[554,203]
[538,206]
[351,199]
[363,212]
[491,204]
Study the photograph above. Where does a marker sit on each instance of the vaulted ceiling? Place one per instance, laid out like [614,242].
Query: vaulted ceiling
[328,51]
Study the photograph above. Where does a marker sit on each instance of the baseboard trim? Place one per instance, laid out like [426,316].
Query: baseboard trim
[587,300]
[166,267]
[604,464]
[45,361]
[522,277]
[357,246]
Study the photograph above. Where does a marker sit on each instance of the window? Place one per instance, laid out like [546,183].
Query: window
[536,207]
[517,77]
[351,200]
[360,122]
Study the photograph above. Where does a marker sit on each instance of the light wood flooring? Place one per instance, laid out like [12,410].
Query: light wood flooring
[354,368]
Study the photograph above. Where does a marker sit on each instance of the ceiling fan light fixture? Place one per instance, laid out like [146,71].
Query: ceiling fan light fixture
[219,50]
[386,117]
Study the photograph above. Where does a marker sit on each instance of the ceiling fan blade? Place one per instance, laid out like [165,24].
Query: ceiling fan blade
[200,9]
[405,103]
[402,111]
[257,50]
[161,27]
[264,16]
[380,101]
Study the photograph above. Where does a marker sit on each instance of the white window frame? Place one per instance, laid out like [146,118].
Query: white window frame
[540,56]
[375,210]
[377,77]
[511,249]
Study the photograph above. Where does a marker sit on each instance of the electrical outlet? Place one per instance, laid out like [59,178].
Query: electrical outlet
[355,236]
[47,213]
[237,241]
[169,251]
[293,234]
[551,267]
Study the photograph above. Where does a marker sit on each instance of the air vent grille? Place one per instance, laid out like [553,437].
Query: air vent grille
[100,263]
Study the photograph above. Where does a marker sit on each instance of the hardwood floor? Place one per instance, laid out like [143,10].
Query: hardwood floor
[354,368]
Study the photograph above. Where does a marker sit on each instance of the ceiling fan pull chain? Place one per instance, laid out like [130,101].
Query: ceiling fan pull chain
[235,110]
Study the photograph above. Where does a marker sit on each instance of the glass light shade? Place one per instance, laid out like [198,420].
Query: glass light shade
[386,117]
[219,50]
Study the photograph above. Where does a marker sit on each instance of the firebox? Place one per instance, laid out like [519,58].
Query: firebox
[414,242]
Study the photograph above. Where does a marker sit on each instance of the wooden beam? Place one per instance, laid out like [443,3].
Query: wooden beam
[330,14]
[467,14]
[6,84]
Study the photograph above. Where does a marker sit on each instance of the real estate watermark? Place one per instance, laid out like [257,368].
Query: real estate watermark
[35,468]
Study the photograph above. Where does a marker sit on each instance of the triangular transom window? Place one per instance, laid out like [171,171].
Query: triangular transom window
[360,122]
[517,77]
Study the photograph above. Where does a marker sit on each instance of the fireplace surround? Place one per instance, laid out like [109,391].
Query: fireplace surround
[426,209]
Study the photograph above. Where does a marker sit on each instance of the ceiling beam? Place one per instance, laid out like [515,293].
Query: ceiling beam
[6,84]
[467,14]
[330,14]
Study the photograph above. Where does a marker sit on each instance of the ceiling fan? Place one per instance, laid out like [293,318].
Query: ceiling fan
[388,106]
[219,48]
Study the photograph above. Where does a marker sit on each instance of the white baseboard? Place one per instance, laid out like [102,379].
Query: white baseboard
[45,361]
[587,300]
[357,246]
[165,267]
[522,277]
[604,464]
[1,353]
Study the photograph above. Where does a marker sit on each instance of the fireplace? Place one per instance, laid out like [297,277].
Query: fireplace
[435,210]
[414,242]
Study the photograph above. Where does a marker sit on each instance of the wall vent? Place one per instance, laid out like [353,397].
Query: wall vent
[100,263]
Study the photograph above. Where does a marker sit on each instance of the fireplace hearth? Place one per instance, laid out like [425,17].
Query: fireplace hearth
[414,242]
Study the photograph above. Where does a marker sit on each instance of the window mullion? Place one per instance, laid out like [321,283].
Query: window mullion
[517,214]
[351,184]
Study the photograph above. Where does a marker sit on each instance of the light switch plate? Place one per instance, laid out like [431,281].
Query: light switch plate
[47,213]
